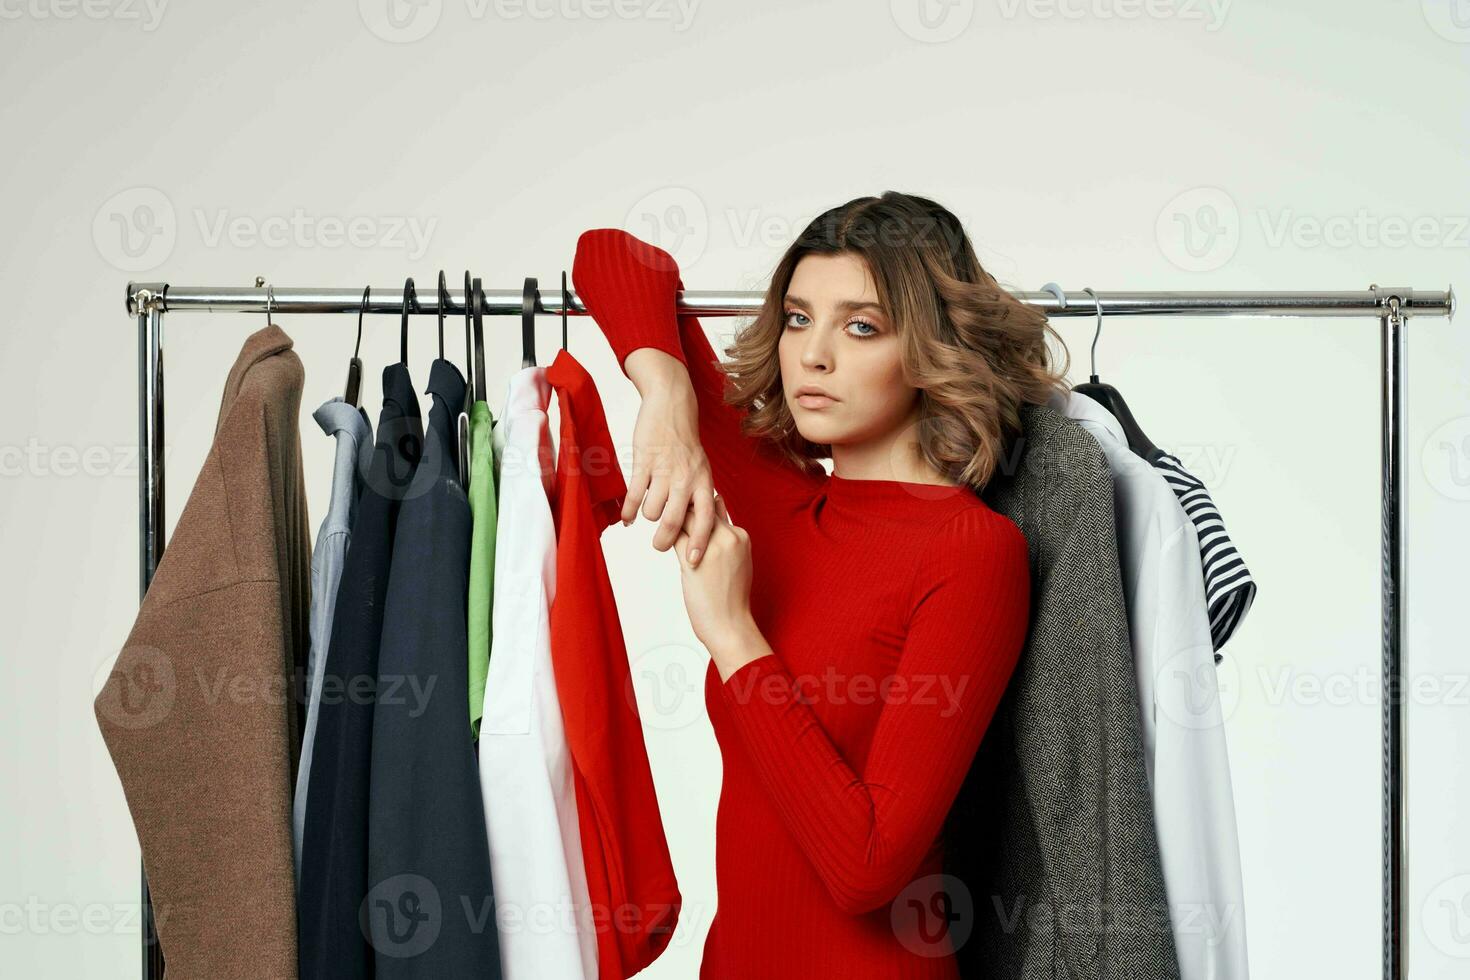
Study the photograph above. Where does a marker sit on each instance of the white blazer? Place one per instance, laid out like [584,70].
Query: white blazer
[542,907]
[1183,727]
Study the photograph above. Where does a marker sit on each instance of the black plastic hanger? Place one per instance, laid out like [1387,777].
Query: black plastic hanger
[469,347]
[462,424]
[477,299]
[440,302]
[566,301]
[410,299]
[1112,399]
[353,395]
[529,296]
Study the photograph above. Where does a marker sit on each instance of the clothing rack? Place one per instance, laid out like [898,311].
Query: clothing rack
[149,301]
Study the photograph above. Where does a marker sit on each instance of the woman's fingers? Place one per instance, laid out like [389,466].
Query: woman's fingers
[702,522]
[637,487]
[656,498]
[672,519]
[671,482]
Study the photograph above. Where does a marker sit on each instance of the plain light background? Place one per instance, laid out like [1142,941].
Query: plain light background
[1174,145]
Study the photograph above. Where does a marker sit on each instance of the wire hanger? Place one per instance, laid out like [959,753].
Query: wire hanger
[1111,398]
[529,295]
[354,367]
[270,299]
[410,300]
[1096,333]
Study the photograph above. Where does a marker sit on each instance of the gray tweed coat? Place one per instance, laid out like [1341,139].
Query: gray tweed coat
[1053,831]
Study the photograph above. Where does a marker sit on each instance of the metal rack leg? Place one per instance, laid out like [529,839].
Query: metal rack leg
[1395,768]
[150,518]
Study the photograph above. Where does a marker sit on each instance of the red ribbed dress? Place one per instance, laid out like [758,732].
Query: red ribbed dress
[896,612]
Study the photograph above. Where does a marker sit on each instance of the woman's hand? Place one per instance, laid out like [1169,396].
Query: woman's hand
[717,594]
[671,481]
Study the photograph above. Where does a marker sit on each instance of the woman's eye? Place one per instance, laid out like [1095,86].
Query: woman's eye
[861,329]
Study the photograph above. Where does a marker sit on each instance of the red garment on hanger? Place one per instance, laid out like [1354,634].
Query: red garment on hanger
[630,876]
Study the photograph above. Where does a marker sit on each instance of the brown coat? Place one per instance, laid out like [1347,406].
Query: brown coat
[200,713]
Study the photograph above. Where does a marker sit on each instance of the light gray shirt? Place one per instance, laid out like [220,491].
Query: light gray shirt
[354,434]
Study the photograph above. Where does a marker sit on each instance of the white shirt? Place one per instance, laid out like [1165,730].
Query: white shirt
[542,907]
[1183,728]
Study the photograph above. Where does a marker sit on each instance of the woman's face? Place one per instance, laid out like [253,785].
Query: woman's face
[837,339]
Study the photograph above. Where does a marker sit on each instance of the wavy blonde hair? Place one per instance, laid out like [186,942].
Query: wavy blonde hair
[975,353]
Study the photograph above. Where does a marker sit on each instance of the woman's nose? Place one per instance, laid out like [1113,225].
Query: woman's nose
[816,350]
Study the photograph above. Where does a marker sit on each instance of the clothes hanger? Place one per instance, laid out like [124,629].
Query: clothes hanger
[410,442]
[529,296]
[439,308]
[473,311]
[479,304]
[462,425]
[469,348]
[566,301]
[410,299]
[270,299]
[1112,399]
[353,395]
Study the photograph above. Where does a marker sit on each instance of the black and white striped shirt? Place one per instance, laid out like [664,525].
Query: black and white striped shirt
[1229,588]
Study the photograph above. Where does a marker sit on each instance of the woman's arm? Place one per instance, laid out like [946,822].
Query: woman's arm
[631,289]
[865,832]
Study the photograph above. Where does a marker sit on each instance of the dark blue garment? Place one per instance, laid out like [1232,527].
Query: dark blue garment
[430,910]
[333,884]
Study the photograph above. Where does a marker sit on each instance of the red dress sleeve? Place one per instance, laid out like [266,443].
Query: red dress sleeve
[866,832]
[631,289]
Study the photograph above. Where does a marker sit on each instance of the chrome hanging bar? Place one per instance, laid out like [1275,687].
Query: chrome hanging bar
[703,302]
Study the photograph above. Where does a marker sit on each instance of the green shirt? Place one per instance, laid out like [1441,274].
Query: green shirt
[482,556]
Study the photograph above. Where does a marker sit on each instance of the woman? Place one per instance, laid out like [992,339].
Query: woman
[861,625]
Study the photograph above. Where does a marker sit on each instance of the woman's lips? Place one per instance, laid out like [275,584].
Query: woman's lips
[814,401]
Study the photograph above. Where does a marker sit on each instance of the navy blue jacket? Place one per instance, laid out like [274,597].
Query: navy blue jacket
[430,911]
[333,884]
